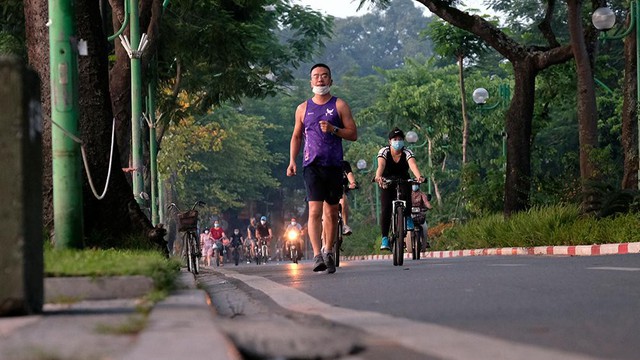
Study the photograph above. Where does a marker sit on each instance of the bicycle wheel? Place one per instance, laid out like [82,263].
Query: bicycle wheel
[415,245]
[185,251]
[189,247]
[398,249]
[194,253]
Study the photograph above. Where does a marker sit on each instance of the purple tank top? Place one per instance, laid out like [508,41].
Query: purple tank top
[323,149]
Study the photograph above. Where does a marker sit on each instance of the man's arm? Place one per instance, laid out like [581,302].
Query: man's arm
[349,131]
[296,139]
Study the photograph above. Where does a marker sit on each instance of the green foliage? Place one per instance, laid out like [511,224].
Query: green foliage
[230,49]
[450,41]
[111,262]
[221,158]
[12,36]
[540,226]
[365,240]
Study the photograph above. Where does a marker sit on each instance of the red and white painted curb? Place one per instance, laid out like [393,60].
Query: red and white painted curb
[574,250]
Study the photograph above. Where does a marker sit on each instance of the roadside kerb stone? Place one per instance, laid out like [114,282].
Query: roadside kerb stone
[99,288]
[183,325]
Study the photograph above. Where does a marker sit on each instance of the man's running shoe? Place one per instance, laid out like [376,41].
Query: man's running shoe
[318,263]
[346,230]
[330,263]
[385,244]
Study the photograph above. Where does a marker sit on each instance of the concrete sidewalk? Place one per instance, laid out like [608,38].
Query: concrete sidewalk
[97,327]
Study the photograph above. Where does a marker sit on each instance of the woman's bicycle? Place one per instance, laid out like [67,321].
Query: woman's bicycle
[398,222]
[188,224]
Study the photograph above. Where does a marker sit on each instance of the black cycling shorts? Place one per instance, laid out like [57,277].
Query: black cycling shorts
[323,183]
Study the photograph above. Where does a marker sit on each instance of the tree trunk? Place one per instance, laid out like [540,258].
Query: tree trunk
[527,62]
[107,220]
[518,124]
[36,14]
[465,119]
[587,111]
[630,114]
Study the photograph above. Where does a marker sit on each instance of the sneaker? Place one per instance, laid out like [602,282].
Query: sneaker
[410,224]
[318,263]
[385,244]
[330,263]
[346,230]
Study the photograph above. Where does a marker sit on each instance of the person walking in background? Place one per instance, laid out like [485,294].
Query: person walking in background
[322,122]
[206,244]
[394,161]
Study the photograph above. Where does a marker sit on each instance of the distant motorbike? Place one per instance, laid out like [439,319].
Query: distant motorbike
[293,245]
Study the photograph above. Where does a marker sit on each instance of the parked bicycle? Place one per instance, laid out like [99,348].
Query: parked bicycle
[398,229]
[188,224]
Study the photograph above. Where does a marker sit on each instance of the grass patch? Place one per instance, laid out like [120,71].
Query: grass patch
[539,226]
[112,262]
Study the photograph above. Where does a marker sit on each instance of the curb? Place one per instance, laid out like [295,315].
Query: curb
[100,288]
[183,323]
[573,250]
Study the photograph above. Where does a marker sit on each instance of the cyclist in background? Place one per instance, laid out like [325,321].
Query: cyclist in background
[394,161]
[420,199]
[263,231]
[236,243]
[218,236]
[251,236]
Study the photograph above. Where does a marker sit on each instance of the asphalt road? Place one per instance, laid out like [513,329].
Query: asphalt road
[463,308]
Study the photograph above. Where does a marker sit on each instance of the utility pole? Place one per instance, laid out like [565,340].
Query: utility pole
[67,178]
[153,149]
[136,103]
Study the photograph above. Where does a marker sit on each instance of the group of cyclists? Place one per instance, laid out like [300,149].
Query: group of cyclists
[250,245]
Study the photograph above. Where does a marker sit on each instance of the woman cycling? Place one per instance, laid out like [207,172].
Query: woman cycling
[394,162]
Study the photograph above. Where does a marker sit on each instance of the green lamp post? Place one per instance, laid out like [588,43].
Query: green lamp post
[604,19]
[480,97]
[362,166]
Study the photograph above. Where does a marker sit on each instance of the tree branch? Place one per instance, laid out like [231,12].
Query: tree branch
[545,25]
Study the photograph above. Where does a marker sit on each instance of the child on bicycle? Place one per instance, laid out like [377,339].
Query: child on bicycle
[218,236]
[394,161]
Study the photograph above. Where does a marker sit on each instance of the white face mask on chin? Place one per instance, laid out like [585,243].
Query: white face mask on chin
[321,90]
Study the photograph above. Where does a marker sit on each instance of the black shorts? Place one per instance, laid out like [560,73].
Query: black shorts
[323,183]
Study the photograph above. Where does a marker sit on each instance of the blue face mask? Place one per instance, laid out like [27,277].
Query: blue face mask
[415,187]
[397,144]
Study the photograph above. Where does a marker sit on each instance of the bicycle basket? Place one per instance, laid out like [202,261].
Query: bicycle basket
[188,220]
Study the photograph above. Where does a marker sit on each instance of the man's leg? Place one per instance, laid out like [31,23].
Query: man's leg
[315,226]
[329,225]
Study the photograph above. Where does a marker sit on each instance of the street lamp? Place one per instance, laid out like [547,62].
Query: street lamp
[604,19]
[412,138]
[480,96]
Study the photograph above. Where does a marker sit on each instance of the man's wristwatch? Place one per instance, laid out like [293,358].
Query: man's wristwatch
[335,130]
